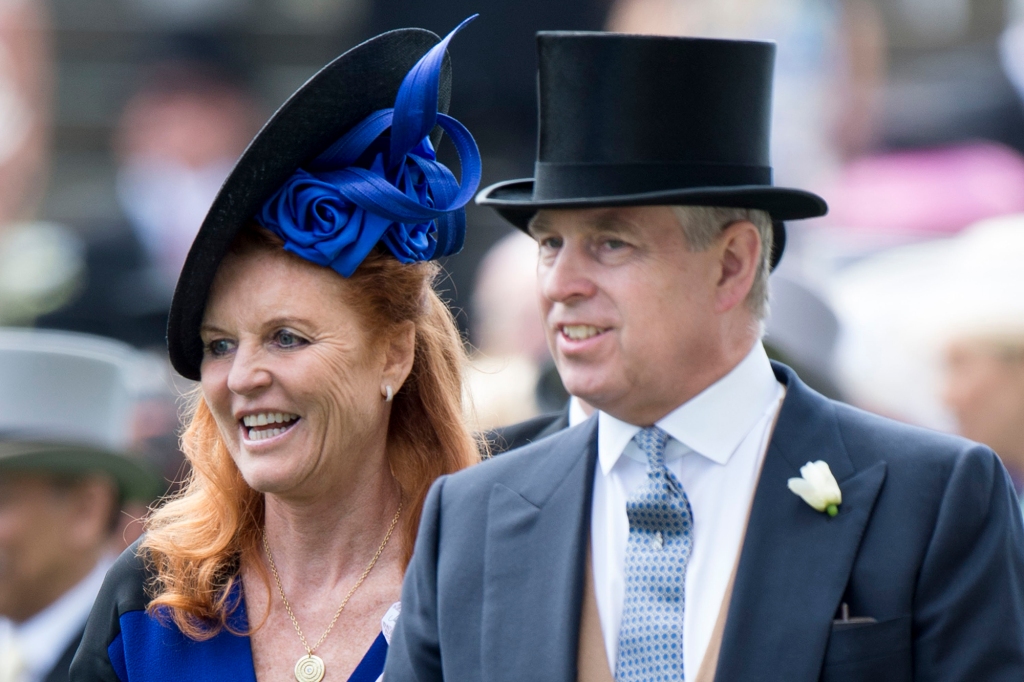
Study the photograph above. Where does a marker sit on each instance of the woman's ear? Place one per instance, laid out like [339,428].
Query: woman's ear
[400,353]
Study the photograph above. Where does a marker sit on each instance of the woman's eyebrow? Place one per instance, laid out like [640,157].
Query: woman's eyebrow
[210,329]
[288,322]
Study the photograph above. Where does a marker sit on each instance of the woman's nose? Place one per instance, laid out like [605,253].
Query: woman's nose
[248,373]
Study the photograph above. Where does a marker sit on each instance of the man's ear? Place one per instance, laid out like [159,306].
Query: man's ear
[399,356]
[739,250]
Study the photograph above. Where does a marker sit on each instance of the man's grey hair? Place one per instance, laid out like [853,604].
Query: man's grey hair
[702,225]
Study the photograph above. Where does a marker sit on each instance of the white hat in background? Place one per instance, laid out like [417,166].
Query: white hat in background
[901,309]
[67,406]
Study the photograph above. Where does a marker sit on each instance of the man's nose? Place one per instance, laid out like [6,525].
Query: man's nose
[568,276]
[248,371]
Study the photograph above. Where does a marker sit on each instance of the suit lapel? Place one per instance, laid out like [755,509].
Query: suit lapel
[561,422]
[795,561]
[537,533]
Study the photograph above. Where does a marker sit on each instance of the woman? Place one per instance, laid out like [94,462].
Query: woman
[329,395]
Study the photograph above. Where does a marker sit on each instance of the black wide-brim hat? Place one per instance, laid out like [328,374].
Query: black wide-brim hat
[363,80]
[629,120]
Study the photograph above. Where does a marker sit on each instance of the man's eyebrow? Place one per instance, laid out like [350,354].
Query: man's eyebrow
[614,222]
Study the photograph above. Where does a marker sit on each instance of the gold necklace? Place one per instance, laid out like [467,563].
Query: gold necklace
[311,668]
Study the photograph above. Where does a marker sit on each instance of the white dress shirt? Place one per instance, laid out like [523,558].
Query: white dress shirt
[42,639]
[718,443]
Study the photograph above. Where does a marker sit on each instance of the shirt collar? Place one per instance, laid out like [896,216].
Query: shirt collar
[714,422]
[46,635]
[576,414]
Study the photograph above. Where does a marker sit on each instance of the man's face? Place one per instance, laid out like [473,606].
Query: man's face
[50,537]
[629,310]
[985,390]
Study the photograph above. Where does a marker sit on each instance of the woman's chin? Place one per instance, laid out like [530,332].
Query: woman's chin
[273,482]
[274,473]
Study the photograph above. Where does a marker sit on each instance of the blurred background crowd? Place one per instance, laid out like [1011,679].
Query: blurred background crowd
[120,118]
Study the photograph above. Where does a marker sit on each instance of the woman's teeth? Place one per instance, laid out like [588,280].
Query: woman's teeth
[578,332]
[255,421]
[264,418]
[265,433]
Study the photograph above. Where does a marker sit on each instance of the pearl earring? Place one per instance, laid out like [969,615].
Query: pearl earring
[388,393]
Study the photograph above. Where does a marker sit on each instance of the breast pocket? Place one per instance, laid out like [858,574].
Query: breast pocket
[869,652]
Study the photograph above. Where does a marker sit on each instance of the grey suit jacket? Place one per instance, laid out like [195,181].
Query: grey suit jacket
[928,543]
[505,438]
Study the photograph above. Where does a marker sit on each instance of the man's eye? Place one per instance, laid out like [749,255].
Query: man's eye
[615,244]
[287,339]
[219,347]
[550,242]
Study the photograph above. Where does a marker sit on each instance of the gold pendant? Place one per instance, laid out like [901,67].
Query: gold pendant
[310,668]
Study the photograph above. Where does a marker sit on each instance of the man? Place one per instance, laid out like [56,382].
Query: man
[661,539]
[66,420]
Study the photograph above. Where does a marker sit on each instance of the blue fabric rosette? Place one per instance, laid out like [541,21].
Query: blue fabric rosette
[381,183]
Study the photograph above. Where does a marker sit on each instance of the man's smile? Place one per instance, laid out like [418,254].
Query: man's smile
[581,332]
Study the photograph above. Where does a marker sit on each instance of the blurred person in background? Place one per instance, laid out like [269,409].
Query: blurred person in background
[178,137]
[933,332]
[510,347]
[984,389]
[25,102]
[40,262]
[68,470]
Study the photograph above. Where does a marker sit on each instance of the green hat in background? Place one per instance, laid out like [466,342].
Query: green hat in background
[68,407]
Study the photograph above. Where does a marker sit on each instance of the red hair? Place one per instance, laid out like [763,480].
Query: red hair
[196,542]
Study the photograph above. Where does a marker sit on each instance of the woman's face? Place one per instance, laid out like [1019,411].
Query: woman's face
[293,377]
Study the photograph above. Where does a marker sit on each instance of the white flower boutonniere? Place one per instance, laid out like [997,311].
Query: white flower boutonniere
[817,487]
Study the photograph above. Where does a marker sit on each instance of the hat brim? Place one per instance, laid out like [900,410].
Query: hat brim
[361,81]
[513,200]
[135,480]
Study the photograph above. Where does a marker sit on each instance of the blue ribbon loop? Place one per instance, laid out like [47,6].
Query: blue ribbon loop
[381,183]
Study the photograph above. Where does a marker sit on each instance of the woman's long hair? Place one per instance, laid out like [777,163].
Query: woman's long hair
[196,542]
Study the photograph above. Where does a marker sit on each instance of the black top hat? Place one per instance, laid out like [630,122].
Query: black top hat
[629,120]
[360,82]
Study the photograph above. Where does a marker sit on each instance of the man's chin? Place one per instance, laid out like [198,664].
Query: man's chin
[596,393]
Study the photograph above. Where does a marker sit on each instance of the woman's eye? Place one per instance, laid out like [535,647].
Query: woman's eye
[287,339]
[219,347]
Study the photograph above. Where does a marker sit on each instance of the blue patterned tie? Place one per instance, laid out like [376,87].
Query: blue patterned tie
[660,541]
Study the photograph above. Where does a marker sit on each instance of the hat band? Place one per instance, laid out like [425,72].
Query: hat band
[553,181]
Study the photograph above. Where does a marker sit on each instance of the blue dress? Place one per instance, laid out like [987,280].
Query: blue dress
[123,643]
